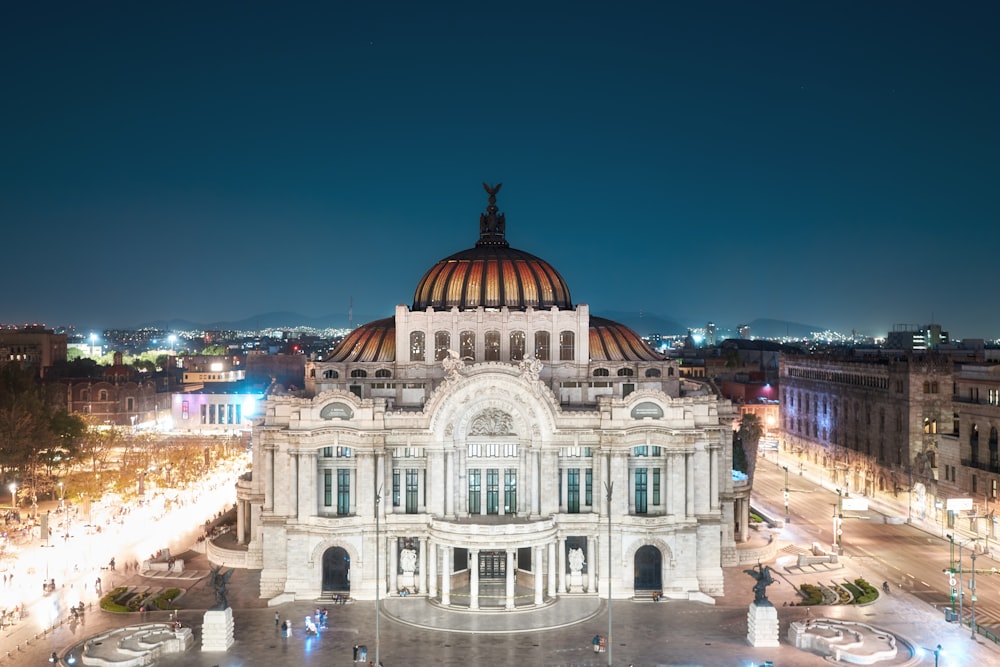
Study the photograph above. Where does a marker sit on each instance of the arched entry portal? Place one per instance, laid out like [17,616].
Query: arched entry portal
[336,570]
[648,569]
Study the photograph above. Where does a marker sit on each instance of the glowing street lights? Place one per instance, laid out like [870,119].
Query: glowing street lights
[13,496]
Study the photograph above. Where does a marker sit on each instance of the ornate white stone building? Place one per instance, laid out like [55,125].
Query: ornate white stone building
[463,450]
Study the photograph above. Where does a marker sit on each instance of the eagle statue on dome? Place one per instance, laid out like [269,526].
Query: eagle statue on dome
[491,224]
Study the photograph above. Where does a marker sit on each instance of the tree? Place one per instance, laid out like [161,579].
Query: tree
[749,435]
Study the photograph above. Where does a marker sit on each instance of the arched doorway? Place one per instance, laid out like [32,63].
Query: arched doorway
[336,570]
[648,569]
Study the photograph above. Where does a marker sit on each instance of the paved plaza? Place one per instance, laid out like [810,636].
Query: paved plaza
[414,632]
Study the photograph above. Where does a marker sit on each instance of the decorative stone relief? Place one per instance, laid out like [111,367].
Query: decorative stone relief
[492,422]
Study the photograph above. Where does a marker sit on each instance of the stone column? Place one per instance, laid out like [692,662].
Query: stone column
[432,560]
[689,483]
[561,563]
[241,510]
[713,479]
[307,483]
[536,487]
[591,564]
[268,473]
[539,560]
[449,484]
[552,570]
[446,575]
[391,542]
[510,580]
[473,578]
[421,580]
[678,481]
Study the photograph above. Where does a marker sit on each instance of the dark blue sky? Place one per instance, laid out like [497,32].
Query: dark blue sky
[829,163]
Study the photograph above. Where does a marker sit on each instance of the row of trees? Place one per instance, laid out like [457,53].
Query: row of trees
[38,437]
[41,445]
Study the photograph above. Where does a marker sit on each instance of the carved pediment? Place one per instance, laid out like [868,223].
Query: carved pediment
[492,421]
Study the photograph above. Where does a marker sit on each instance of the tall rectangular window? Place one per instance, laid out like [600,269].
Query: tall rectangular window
[573,490]
[492,491]
[491,346]
[589,488]
[542,345]
[475,489]
[567,346]
[327,488]
[510,491]
[656,486]
[467,345]
[411,490]
[640,490]
[516,345]
[416,346]
[343,491]
[442,342]
[395,487]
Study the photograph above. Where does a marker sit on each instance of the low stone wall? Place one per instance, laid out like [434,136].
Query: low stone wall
[226,557]
[843,641]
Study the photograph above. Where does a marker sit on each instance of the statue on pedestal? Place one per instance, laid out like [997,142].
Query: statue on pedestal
[762,573]
[220,581]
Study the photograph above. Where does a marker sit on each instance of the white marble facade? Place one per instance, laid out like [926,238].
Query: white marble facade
[489,468]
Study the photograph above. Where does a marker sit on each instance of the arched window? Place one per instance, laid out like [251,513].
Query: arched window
[85,395]
[102,395]
[927,387]
[625,372]
[517,339]
[601,373]
[542,345]
[670,372]
[652,372]
[358,373]
[442,343]
[417,345]
[383,373]
[567,346]
[491,346]
[467,345]
[130,404]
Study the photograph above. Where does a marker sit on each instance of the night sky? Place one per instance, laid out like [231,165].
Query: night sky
[833,164]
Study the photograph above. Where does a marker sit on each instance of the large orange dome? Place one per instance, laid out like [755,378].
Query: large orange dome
[492,274]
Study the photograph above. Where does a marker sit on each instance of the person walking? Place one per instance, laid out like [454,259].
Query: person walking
[277,619]
[355,659]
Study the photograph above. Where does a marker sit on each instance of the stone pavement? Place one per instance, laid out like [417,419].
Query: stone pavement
[414,632]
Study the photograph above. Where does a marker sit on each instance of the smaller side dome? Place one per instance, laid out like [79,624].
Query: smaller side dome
[375,341]
[611,341]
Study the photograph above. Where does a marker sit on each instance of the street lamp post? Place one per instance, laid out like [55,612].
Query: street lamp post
[609,487]
[13,496]
[972,590]
[937,654]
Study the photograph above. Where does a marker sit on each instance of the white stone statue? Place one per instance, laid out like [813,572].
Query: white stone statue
[452,364]
[408,561]
[576,561]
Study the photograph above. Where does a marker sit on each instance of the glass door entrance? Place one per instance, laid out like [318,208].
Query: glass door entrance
[492,564]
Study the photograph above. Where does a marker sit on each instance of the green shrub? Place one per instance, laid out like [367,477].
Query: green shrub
[813,594]
[868,592]
[110,602]
[164,601]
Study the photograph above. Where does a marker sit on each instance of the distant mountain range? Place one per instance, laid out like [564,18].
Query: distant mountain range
[642,323]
